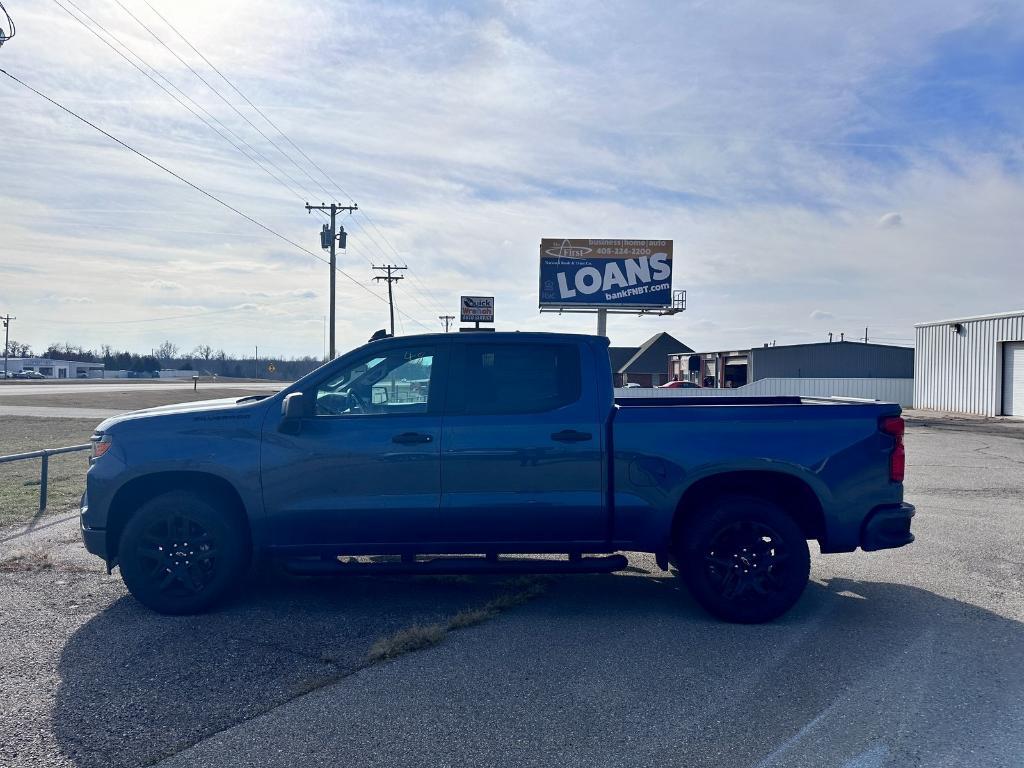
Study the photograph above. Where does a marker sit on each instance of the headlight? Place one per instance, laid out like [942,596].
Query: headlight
[100,445]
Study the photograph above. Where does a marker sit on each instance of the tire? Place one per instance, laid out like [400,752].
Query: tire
[744,559]
[181,553]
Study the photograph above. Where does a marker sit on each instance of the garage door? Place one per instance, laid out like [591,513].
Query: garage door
[1013,378]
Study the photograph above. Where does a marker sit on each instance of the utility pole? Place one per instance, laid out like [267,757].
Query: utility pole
[328,240]
[256,361]
[7,331]
[447,320]
[865,334]
[389,268]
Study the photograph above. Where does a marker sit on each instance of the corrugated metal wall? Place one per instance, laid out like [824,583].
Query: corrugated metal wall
[887,390]
[962,372]
[841,359]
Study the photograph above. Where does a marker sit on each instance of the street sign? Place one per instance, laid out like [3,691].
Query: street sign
[271,368]
[477,309]
[605,273]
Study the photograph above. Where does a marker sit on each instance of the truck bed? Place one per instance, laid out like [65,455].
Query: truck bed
[647,402]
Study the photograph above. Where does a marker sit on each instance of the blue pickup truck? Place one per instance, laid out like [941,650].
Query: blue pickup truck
[463,452]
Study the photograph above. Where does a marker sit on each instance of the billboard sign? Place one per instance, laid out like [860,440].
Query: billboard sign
[605,273]
[476,309]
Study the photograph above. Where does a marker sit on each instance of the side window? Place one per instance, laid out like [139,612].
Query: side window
[392,382]
[516,378]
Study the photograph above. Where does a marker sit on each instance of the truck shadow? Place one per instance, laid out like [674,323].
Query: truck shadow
[136,686]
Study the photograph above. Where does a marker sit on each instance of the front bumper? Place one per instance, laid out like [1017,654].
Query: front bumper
[887,527]
[95,539]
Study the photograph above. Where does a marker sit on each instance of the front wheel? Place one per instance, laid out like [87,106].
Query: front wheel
[744,559]
[182,554]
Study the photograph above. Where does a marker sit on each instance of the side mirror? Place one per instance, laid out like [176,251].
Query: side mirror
[292,410]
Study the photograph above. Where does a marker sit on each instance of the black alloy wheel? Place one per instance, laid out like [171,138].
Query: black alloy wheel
[744,559]
[179,555]
[183,553]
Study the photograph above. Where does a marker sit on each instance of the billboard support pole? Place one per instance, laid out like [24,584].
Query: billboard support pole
[602,322]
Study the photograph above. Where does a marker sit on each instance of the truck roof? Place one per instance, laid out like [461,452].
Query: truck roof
[503,335]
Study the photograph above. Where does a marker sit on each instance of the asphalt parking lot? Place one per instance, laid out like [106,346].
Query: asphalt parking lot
[913,657]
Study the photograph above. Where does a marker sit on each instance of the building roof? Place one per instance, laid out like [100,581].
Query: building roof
[995,316]
[652,355]
[51,361]
[620,356]
[857,344]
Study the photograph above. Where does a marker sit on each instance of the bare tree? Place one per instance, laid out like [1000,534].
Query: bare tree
[167,351]
[205,351]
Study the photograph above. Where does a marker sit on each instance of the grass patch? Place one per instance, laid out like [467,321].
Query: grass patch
[470,618]
[19,480]
[27,561]
[414,638]
[421,636]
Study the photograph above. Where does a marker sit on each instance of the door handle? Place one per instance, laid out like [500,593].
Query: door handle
[571,436]
[412,438]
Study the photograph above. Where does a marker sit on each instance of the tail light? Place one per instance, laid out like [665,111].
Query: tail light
[895,427]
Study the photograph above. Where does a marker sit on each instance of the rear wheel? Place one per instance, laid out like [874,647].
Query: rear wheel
[182,554]
[744,559]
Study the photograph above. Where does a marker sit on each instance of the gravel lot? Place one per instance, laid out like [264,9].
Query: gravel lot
[912,657]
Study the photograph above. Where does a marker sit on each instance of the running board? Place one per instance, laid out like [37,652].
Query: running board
[460,565]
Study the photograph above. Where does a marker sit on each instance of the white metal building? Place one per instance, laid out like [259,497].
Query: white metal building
[51,369]
[971,365]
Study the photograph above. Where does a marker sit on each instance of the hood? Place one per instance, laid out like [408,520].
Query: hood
[198,406]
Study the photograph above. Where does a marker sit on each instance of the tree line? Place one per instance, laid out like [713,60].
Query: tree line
[204,360]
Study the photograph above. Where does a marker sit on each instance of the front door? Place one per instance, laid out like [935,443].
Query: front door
[522,447]
[364,468]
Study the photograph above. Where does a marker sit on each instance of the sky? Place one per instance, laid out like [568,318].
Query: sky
[820,166]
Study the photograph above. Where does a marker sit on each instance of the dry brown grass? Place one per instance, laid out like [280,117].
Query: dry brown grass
[469,618]
[414,638]
[420,636]
[27,560]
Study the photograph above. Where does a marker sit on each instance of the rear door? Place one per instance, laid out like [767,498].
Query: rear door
[522,447]
[1013,378]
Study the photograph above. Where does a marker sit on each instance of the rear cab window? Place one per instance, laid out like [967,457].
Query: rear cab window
[497,379]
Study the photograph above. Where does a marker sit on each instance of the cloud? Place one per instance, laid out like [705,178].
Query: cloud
[163,285]
[890,221]
[761,139]
[51,299]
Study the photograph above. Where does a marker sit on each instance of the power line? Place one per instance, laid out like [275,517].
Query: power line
[183,95]
[420,286]
[185,181]
[247,101]
[202,79]
[4,37]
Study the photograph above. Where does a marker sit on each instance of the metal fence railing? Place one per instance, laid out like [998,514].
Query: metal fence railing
[44,469]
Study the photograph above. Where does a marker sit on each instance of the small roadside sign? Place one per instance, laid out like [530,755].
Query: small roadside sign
[271,368]
[477,309]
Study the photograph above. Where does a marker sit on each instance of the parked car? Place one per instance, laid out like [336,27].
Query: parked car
[28,375]
[83,375]
[679,385]
[518,445]
[631,385]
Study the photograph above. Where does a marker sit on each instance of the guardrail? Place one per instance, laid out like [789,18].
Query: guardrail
[44,469]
